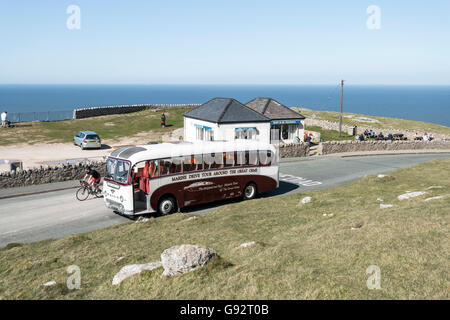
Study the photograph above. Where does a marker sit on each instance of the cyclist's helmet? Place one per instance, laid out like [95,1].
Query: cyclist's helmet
[88,169]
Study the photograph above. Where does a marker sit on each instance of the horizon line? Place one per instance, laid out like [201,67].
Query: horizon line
[227,84]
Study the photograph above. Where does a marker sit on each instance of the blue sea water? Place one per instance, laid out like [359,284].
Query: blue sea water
[424,103]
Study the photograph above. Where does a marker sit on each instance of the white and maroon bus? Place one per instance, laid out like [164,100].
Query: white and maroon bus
[169,176]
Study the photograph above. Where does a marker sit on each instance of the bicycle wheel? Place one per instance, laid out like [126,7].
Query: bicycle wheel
[99,194]
[82,194]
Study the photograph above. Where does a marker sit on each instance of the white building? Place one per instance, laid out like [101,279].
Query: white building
[228,119]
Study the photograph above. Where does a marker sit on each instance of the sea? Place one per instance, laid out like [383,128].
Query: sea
[423,103]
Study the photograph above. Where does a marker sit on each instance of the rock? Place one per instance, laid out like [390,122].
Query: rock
[247,244]
[185,258]
[381,176]
[379,199]
[328,215]
[357,226]
[133,269]
[142,220]
[433,198]
[434,187]
[306,200]
[409,195]
[384,206]
[191,218]
[50,283]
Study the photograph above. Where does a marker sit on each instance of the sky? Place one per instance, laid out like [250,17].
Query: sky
[225,42]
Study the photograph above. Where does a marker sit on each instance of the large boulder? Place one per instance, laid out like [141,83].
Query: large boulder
[185,258]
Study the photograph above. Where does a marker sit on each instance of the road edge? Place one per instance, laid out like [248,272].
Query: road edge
[35,192]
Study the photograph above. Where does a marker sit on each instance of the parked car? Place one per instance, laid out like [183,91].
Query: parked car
[87,140]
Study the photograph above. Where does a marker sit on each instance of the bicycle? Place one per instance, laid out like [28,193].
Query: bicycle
[85,190]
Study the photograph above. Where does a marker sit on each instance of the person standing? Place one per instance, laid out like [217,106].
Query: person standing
[163,120]
[4,119]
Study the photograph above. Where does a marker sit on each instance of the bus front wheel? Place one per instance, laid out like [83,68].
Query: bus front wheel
[167,205]
[250,191]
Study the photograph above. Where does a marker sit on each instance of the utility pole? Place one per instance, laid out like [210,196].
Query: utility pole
[340,114]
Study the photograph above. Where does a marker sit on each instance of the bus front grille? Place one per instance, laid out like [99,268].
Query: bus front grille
[114,205]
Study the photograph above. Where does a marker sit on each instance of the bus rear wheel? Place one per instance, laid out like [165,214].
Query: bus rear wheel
[250,191]
[167,205]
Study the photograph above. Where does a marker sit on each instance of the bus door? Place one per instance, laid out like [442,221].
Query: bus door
[146,183]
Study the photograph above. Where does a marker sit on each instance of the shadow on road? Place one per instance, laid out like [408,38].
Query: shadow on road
[284,188]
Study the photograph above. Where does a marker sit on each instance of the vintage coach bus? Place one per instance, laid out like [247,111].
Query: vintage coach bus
[166,177]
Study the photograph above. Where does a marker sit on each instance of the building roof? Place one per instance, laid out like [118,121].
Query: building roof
[225,110]
[273,110]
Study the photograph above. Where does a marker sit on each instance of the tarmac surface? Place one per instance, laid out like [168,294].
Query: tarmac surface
[52,211]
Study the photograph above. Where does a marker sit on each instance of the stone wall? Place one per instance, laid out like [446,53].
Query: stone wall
[330,125]
[61,173]
[42,175]
[103,111]
[330,147]
[294,150]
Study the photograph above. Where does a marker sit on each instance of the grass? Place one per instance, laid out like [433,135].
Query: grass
[126,125]
[108,127]
[350,119]
[300,254]
[330,135]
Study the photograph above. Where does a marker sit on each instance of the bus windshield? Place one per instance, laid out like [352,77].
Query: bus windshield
[117,170]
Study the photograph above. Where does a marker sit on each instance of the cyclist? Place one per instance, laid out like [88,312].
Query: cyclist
[92,177]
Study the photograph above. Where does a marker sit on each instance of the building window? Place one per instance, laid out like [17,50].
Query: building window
[292,131]
[203,133]
[208,135]
[283,132]
[199,133]
[245,133]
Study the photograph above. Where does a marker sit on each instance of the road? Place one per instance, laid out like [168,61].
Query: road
[59,214]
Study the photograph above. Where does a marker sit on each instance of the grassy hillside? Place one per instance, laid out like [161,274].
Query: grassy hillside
[300,253]
[126,125]
[330,135]
[108,127]
[351,119]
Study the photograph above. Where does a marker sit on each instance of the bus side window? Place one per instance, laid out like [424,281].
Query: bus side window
[207,161]
[165,167]
[188,164]
[228,159]
[253,158]
[198,162]
[217,160]
[154,169]
[240,158]
[176,166]
[265,157]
